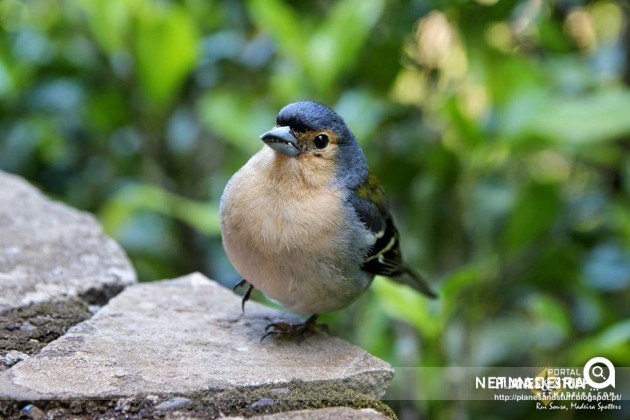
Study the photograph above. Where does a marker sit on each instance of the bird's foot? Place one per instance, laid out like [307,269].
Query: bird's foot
[247,294]
[294,331]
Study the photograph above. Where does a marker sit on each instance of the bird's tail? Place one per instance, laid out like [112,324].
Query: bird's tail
[418,282]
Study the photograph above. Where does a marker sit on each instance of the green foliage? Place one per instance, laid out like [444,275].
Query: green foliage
[499,130]
[136,198]
[166,40]
[233,117]
[323,46]
[574,121]
[163,38]
[535,210]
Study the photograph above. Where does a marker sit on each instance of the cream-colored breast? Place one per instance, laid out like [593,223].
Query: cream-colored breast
[286,235]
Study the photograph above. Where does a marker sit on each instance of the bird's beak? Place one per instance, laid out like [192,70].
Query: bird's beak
[282,141]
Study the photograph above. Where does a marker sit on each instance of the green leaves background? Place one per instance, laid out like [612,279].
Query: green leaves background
[499,129]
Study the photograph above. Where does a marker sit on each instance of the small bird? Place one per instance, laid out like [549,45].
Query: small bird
[305,222]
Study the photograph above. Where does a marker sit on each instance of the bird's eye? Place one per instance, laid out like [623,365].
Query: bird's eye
[321,141]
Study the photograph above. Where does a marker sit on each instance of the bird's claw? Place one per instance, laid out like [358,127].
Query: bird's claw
[300,332]
[239,284]
[247,294]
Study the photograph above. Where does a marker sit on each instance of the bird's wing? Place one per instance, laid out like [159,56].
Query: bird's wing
[369,203]
[384,257]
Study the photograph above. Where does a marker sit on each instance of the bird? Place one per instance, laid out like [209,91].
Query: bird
[307,223]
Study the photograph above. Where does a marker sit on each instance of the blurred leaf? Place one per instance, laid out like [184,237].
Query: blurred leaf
[337,43]
[405,304]
[510,79]
[470,133]
[534,213]
[289,31]
[620,219]
[19,144]
[612,343]
[555,265]
[504,159]
[147,232]
[60,94]
[133,198]
[166,49]
[509,338]
[330,49]
[12,14]
[107,108]
[608,268]
[459,282]
[548,311]
[6,80]
[362,112]
[109,21]
[373,326]
[585,119]
[237,120]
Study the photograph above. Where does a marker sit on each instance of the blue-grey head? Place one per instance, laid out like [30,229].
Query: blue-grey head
[318,138]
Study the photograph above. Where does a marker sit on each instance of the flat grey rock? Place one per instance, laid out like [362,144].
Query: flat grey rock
[328,413]
[182,336]
[173,404]
[50,251]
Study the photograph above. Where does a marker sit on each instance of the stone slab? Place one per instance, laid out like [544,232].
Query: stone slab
[50,251]
[328,413]
[183,336]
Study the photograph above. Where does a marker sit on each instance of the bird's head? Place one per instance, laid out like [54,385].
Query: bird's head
[317,137]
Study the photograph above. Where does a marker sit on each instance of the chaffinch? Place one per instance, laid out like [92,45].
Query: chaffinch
[305,221]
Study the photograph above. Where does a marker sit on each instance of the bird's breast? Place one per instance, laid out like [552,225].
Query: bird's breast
[291,240]
[277,214]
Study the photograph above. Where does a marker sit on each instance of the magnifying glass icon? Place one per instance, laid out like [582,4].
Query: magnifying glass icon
[598,372]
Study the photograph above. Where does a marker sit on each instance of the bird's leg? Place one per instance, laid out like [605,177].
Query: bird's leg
[300,331]
[247,294]
[239,284]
